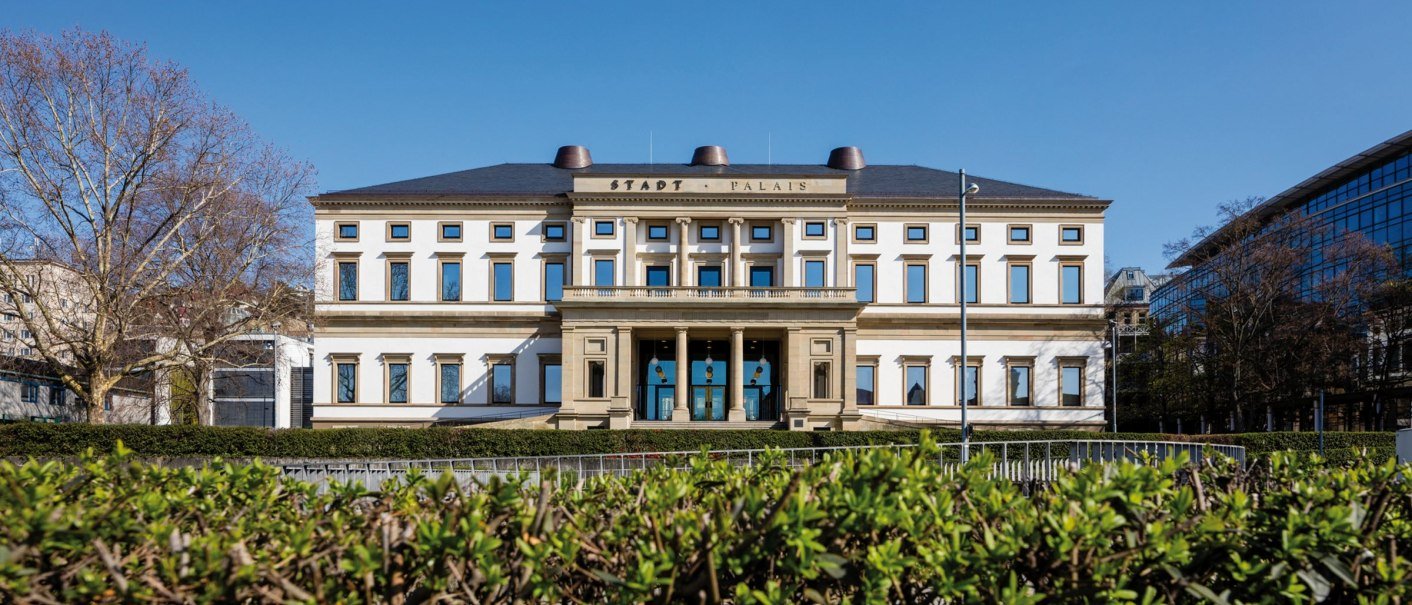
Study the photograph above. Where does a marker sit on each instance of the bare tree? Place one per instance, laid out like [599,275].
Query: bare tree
[167,224]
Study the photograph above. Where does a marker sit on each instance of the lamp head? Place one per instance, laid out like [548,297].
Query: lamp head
[973,189]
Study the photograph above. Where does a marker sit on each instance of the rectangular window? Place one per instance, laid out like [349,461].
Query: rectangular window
[865,281]
[504,276]
[916,234]
[972,288]
[29,392]
[916,283]
[1019,284]
[821,380]
[914,387]
[709,233]
[968,385]
[555,232]
[659,276]
[56,395]
[1071,234]
[397,383]
[399,232]
[867,384]
[603,228]
[502,383]
[348,231]
[450,383]
[1071,385]
[553,281]
[1018,385]
[502,232]
[762,233]
[603,273]
[813,274]
[1019,234]
[762,277]
[1071,284]
[597,378]
[553,380]
[865,233]
[450,232]
[1136,294]
[972,233]
[657,233]
[347,382]
[708,276]
[814,230]
[347,281]
[398,286]
[450,281]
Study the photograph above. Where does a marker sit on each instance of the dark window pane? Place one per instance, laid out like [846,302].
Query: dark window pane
[814,274]
[347,281]
[450,232]
[451,383]
[762,277]
[553,281]
[916,385]
[401,232]
[1071,234]
[659,276]
[553,383]
[657,232]
[241,383]
[867,375]
[348,231]
[821,380]
[1071,385]
[504,281]
[916,233]
[347,382]
[397,383]
[761,232]
[863,282]
[708,277]
[603,273]
[451,281]
[973,284]
[865,233]
[603,227]
[973,233]
[1072,280]
[1019,234]
[1019,385]
[710,233]
[504,231]
[595,379]
[1020,284]
[399,288]
[916,283]
[501,383]
[813,229]
[969,392]
[554,232]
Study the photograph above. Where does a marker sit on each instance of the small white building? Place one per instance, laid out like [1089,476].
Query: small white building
[707,294]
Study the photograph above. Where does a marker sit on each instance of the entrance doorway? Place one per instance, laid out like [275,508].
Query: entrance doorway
[709,381]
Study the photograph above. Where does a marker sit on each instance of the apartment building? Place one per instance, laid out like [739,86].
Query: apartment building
[706,294]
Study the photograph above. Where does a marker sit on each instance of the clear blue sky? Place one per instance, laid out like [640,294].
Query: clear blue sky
[1166,108]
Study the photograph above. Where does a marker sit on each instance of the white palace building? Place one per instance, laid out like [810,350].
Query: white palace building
[707,295]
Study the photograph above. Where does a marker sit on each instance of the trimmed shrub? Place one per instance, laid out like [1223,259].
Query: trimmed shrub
[874,526]
[61,440]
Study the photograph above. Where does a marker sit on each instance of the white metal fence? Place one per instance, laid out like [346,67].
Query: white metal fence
[1017,460]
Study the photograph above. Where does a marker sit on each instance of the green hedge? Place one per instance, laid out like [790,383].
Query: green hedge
[34,439]
[875,527]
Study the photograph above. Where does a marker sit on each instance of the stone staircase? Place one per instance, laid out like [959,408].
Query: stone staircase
[721,425]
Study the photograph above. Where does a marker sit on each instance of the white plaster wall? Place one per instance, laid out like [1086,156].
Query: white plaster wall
[943,372]
[422,380]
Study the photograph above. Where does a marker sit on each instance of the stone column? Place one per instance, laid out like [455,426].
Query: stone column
[787,238]
[841,276]
[736,277]
[576,270]
[630,251]
[736,412]
[680,411]
[684,277]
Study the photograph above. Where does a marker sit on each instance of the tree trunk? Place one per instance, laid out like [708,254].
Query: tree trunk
[98,389]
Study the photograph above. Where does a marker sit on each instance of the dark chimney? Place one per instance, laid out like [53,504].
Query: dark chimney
[847,158]
[573,156]
[710,155]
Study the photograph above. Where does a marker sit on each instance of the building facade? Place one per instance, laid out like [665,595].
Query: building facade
[1129,295]
[807,297]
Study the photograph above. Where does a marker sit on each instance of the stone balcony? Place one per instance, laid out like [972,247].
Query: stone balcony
[700,295]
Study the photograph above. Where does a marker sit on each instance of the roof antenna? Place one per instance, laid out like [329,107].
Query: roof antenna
[770,148]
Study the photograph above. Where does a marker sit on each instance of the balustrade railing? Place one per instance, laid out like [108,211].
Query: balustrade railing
[572,293]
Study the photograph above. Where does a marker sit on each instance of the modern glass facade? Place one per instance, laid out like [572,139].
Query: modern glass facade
[1375,201]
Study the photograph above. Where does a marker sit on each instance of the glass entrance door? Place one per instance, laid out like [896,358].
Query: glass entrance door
[657,380]
[709,373]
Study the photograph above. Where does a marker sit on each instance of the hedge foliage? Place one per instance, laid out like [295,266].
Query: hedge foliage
[36,439]
[872,526]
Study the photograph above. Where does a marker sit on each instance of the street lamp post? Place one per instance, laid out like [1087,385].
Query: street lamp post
[1113,337]
[964,190]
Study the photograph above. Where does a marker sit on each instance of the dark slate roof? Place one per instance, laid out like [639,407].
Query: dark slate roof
[884,181]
